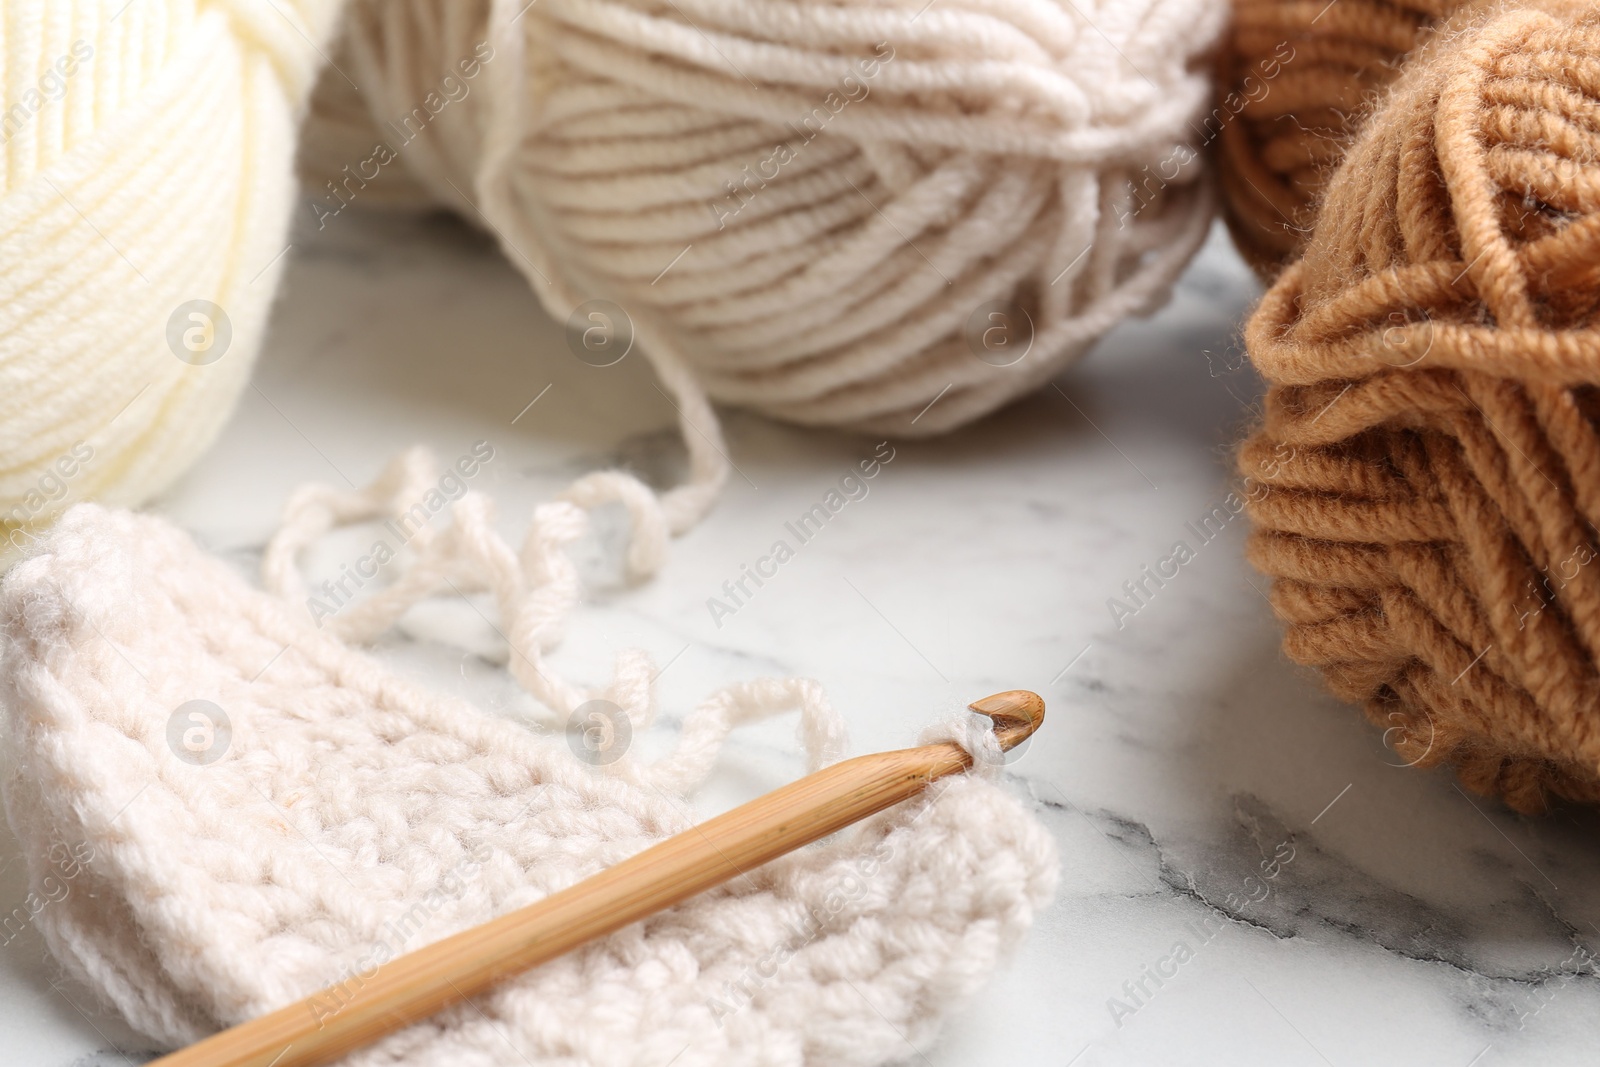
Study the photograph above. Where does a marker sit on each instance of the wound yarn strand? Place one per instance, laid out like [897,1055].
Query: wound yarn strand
[1429,463]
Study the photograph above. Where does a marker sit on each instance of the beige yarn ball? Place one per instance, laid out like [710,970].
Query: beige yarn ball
[815,210]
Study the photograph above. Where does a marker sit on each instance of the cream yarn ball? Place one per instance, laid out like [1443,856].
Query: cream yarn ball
[145,163]
[813,209]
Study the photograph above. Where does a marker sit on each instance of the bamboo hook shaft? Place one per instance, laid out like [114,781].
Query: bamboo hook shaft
[414,986]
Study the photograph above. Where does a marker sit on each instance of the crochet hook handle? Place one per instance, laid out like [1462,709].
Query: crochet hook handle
[411,987]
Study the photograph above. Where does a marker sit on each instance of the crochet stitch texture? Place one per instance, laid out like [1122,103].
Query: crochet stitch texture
[355,816]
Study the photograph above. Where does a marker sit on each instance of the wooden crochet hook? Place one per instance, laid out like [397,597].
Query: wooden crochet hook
[417,984]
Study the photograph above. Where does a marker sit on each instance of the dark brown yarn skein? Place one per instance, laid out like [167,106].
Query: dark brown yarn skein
[1426,486]
[1297,75]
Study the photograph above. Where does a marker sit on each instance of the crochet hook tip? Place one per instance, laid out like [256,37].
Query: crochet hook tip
[1017,713]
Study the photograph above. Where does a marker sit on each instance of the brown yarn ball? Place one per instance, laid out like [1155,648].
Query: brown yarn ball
[1297,77]
[1426,484]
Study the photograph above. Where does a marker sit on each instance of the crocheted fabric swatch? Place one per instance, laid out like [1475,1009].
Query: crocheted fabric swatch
[353,816]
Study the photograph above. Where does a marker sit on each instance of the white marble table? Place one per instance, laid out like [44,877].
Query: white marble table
[1407,923]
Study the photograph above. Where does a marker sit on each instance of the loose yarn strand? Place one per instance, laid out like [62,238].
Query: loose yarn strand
[536,589]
